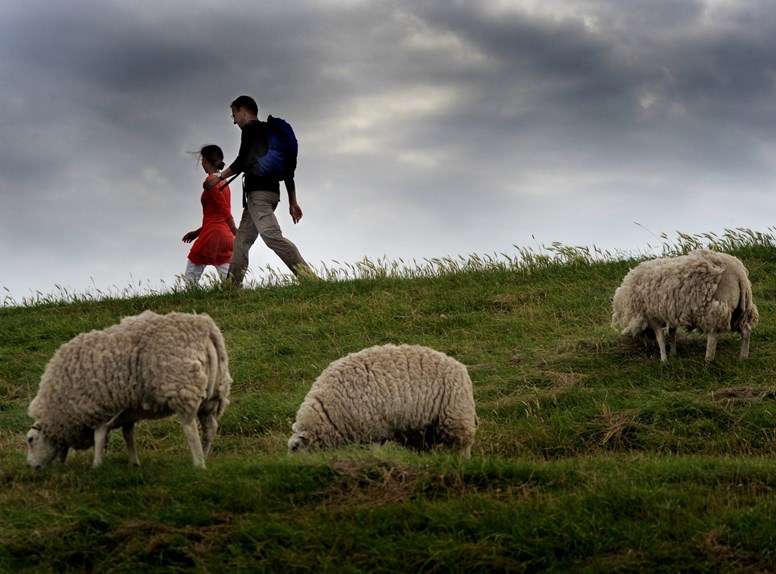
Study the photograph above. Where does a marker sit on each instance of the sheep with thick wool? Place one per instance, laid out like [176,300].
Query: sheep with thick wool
[145,367]
[408,393]
[704,290]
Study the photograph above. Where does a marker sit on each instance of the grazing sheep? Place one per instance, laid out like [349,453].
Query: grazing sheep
[147,366]
[412,394]
[703,290]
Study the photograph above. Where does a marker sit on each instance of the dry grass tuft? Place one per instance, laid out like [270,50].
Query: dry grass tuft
[732,559]
[742,394]
[373,482]
[617,425]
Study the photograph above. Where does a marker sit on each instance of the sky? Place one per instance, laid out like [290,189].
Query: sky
[427,128]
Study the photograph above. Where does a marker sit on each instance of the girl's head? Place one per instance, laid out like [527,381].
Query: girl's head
[211,156]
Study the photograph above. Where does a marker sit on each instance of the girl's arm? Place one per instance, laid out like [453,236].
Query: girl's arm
[191,235]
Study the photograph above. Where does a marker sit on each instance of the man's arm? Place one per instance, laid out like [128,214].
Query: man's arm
[293,206]
[252,144]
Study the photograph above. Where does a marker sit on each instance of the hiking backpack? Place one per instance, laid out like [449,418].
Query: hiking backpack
[280,160]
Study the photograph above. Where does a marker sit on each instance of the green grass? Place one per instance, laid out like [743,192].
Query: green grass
[591,455]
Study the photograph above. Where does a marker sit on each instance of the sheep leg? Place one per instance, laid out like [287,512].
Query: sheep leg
[661,342]
[672,338]
[711,346]
[745,333]
[189,424]
[129,437]
[209,428]
[100,443]
[101,438]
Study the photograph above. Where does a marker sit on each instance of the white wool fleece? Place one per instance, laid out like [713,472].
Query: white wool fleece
[174,363]
[384,392]
[703,290]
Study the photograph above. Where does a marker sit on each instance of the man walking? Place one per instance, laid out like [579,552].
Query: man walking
[261,195]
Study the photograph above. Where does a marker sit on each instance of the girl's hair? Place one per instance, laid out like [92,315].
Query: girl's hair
[213,154]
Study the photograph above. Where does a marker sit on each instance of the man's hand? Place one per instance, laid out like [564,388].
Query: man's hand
[211,181]
[296,212]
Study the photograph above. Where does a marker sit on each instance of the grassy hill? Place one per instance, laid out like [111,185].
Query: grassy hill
[591,456]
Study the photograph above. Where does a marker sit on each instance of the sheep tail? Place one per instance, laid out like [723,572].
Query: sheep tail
[746,316]
[219,380]
[214,367]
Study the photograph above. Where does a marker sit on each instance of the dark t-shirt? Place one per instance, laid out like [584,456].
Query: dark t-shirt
[253,143]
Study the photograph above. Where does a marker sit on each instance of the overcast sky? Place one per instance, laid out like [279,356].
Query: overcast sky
[427,128]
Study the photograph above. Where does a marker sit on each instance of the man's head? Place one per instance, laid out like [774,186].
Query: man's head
[244,109]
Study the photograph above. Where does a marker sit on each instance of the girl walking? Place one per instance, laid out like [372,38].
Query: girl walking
[213,241]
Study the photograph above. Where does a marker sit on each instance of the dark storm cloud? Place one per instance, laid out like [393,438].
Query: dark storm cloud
[427,127]
[614,57]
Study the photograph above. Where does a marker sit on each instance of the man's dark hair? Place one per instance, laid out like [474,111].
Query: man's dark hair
[246,102]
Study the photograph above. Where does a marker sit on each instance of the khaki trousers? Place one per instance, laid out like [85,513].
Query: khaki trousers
[258,219]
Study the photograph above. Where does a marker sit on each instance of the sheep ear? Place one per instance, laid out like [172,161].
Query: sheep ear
[33,435]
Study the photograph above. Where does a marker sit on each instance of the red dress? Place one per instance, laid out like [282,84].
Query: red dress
[214,242]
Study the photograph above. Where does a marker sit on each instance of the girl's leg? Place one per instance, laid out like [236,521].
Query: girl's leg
[193,273]
[222,270]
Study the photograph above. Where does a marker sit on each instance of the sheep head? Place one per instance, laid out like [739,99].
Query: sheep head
[41,450]
[299,441]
